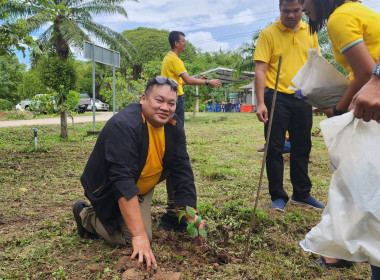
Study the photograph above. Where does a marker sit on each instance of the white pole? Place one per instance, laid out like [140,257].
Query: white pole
[93,87]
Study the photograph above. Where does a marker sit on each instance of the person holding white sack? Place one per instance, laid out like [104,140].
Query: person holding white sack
[366,103]
[354,32]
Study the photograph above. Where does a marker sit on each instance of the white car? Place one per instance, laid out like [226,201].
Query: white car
[19,108]
[99,106]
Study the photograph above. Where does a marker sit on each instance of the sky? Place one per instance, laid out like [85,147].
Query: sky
[208,25]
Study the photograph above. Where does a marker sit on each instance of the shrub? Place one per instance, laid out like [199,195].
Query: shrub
[5,105]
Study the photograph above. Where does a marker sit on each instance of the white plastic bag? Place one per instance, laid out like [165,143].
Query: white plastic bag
[320,84]
[350,225]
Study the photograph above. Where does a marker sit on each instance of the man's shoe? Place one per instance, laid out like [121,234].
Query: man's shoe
[171,223]
[309,202]
[261,150]
[82,232]
[278,205]
[321,263]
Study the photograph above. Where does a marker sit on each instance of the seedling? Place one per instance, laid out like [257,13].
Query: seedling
[192,227]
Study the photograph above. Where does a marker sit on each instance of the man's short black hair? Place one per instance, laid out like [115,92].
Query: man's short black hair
[287,1]
[159,81]
[174,37]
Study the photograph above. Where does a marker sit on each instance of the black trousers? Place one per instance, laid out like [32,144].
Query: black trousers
[294,115]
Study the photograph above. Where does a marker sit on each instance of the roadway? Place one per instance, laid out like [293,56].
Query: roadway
[99,117]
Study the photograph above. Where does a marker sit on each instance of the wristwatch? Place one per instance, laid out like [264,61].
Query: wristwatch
[336,112]
[376,70]
[207,81]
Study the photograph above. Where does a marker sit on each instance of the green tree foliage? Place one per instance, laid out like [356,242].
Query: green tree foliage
[69,23]
[11,72]
[246,52]
[54,72]
[126,89]
[31,85]
[152,45]
[14,33]
[84,77]
[5,105]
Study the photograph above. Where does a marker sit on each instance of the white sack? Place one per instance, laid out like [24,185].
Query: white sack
[350,225]
[320,83]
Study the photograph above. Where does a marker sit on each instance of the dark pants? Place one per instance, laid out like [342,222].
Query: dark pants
[294,115]
[180,109]
[375,272]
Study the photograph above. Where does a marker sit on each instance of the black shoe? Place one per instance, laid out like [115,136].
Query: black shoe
[171,223]
[82,232]
[321,263]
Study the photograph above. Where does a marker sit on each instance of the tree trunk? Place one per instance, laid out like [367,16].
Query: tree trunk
[64,125]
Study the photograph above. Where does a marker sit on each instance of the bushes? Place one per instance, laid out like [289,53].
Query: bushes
[5,105]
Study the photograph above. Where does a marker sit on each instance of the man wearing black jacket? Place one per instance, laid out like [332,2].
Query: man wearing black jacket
[139,147]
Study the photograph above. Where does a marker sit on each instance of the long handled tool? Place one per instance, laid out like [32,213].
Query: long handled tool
[263,163]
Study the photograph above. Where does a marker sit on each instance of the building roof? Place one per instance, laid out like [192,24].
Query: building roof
[225,75]
[248,87]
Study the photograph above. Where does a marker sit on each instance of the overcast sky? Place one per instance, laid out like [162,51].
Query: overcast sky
[209,25]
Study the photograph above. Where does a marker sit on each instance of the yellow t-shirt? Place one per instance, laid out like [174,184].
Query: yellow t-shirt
[173,67]
[277,40]
[152,170]
[350,24]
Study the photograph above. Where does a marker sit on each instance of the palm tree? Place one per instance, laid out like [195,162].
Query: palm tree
[247,51]
[69,22]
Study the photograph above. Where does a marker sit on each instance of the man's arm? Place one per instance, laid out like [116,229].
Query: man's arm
[367,100]
[260,73]
[130,210]
[194,81]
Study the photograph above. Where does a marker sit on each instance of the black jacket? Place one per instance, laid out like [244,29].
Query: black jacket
[118,158]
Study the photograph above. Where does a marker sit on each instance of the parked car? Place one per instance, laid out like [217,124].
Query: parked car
[81,108]
[45,99]
[19,107]
[84,99]
[99,106]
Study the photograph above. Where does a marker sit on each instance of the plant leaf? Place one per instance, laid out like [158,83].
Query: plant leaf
[190,211]
[192,230]
[180,216]
[198,221]
[203,233]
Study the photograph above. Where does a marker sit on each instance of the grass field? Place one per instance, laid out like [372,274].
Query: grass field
[38,238]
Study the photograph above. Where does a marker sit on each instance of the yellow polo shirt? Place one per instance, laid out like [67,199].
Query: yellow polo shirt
[277,40]
[152,170]
[173,67]
[350,24]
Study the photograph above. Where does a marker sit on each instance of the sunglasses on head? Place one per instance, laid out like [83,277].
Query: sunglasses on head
[163,80]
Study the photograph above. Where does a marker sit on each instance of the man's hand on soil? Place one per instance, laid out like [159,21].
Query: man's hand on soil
[141,247]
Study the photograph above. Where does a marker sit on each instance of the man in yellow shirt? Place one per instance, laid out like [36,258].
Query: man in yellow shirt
[289,38]
[139,147]
[173,67]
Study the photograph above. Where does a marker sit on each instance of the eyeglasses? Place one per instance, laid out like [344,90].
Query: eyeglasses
[163,80]
[288,12]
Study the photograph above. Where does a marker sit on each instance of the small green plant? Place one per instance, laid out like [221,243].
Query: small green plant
[192,227]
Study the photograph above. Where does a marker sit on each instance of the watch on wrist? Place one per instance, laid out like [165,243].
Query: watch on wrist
[336,112]
[207,81]
[376,70]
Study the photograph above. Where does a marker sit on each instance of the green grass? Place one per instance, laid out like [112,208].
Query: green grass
[38,237]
